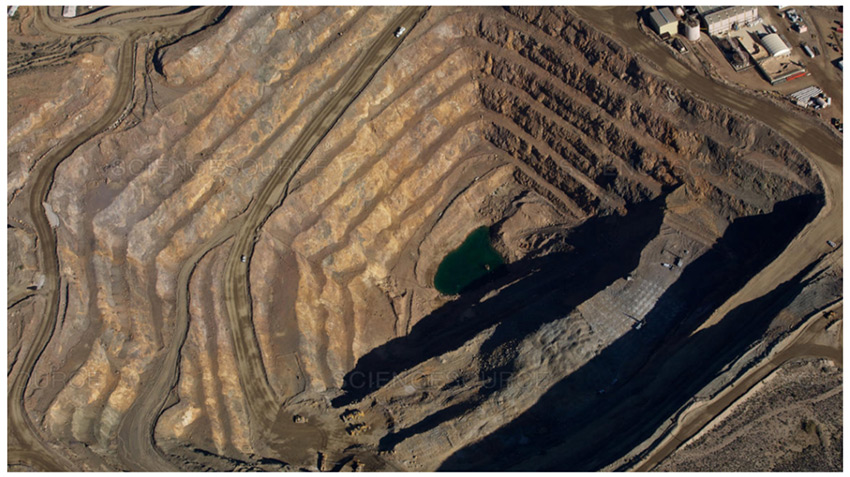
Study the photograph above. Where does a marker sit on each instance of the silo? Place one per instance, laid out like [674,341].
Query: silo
[692,29]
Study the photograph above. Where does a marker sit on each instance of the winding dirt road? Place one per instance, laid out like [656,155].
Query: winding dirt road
[262,401]
[136,441]
[20,425]
[30,449]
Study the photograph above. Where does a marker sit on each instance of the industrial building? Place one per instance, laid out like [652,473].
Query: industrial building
[719,20]
[777,71]
[664,22]
[775,46]
[69,11]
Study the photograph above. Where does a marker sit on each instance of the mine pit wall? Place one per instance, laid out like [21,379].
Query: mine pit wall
[376,174]
[192,62]
[559,123]
[56,116]
[599,124]
[213,412]
[364,26]
[63,112]
[656,164]
[601,312]
[730,132]
[138,237]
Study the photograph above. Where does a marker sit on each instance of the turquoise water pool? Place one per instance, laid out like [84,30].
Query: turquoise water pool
[474,259]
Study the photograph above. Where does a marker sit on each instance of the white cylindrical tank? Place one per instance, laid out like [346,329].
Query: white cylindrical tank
[692,30]
[679,11]
[809,51]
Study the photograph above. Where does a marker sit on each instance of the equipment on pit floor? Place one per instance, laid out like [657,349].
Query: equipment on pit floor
[350,415]
[356,429]
[400,32]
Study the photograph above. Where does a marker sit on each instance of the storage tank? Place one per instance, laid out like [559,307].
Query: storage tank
[808,51]
[692,29]
[679,12]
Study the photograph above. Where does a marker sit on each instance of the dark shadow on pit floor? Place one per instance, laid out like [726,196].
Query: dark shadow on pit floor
[659,367]
[605,249]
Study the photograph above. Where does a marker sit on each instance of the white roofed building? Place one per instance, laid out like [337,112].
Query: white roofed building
[775,46]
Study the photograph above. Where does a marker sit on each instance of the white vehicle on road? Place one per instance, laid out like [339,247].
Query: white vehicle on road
[244,258]
[400,32]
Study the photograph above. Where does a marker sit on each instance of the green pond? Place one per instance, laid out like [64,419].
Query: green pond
[474,259]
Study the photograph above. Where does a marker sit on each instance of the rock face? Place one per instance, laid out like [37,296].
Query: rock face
[525,120]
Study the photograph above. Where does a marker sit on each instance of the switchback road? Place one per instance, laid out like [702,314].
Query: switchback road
[29,449]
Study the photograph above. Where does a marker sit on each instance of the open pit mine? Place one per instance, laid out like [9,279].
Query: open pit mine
[409,239]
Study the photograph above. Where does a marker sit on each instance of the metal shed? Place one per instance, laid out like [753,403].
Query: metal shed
[775,46]
[663,21]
